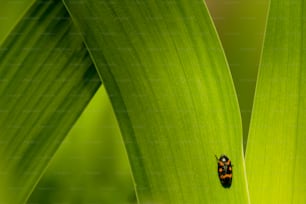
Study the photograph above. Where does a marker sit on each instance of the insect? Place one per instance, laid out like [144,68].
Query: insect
[225,171]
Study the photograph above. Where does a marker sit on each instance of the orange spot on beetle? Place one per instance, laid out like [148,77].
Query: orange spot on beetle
[228,162]
[226,176]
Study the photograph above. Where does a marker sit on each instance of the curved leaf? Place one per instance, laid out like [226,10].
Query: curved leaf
[276,147]
[166,75]
[46,80]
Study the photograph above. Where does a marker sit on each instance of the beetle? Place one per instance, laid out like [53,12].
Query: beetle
[225,172]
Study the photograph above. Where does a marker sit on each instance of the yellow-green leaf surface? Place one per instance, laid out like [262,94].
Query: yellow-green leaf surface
[276,152]
[46,80]
[166,75]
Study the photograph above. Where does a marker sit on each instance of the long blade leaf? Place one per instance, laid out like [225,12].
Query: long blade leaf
[276,147]
[165,72]
[46,80]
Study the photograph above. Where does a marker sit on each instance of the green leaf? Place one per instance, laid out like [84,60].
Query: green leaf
[46,80]
[91,166]
[166,75]
[276,146]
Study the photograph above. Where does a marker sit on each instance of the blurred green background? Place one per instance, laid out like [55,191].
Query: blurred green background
[91,166]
